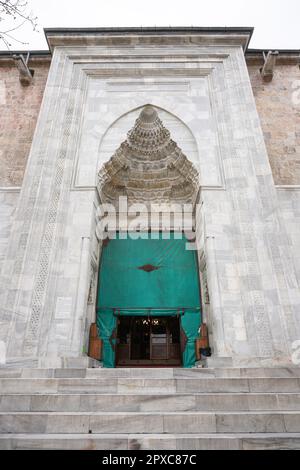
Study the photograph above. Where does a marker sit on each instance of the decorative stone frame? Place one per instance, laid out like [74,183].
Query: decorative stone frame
[43,302]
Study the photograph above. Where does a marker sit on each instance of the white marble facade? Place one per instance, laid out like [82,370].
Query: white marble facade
[198,82]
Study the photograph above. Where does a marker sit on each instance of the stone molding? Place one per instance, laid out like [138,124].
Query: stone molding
[160,36]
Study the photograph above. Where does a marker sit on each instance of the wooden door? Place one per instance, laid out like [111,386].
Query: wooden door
[159,338]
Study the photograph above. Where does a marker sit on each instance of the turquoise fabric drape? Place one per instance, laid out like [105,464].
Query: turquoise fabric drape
[190,323]
[107,324]
[148,277]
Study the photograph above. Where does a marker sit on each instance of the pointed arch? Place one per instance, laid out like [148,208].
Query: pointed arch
[148,165]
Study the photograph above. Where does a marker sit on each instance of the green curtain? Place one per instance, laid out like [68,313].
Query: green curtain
[156,277]
[190,323]
[107,324]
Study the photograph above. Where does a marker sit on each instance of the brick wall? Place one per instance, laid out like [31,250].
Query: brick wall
[19,108]
[280,120]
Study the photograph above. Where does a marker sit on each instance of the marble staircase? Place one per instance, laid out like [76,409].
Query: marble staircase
[96,408]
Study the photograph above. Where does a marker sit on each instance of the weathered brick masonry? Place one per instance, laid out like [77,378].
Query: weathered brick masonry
[19,108]
[280,118]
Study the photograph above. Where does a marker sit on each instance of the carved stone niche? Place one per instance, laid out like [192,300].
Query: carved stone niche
[149,167]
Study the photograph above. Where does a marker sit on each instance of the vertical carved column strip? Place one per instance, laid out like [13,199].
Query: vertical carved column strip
[13,306]
[82,294]
[40,284]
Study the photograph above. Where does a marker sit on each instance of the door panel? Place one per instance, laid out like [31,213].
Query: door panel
[159,338]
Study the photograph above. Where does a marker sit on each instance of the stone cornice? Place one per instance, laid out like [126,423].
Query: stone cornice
[120,37]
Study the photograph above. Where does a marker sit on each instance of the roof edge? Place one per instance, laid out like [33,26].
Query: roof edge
[73,36]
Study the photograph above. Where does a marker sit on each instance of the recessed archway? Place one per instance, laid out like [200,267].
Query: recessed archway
[149,167]
[179,130]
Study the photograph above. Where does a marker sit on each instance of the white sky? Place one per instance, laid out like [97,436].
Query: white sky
[276,22]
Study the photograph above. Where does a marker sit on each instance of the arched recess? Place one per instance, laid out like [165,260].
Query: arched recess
[140,158]
[117,132]
[149,166]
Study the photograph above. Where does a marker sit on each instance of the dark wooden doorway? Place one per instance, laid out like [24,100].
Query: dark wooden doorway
[148,341]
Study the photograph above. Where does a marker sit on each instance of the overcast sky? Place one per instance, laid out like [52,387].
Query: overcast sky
[276,22]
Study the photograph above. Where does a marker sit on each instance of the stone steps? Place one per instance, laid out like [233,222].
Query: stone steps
[110,385]
[126,441]
[151,402]
[150,408]
[110,422]
[164,373]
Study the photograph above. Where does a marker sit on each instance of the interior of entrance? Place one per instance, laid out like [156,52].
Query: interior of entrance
[154,277]
[143,341]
